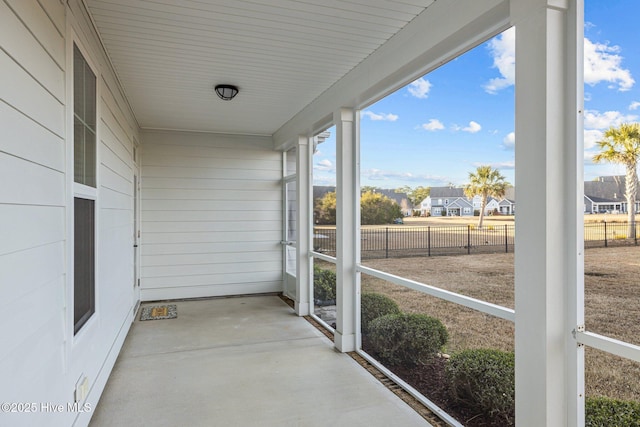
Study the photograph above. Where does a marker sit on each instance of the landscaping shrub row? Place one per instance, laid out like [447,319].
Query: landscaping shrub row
[480,380]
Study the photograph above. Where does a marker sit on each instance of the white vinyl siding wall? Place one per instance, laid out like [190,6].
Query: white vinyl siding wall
[32,207]
[211,215]
[40,359]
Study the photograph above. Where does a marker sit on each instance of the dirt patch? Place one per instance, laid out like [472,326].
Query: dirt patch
[612,305]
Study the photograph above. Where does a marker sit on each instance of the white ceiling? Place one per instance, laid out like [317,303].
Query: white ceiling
[282,54]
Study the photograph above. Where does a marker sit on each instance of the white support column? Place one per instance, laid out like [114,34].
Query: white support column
[304,272]
[549,247]
[348,226]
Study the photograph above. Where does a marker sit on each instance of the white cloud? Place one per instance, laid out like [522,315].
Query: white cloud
[634,105]
[509,141]
[472,128]
[433,125]
[503,51]
[385,175]
[388,117]
[420,88]
[602,64]
[324,165]
[591,136]
[593,119]
[498,165]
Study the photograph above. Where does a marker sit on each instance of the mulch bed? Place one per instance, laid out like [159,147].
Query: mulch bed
[430,380]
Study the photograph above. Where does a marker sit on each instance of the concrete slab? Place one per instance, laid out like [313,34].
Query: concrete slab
[241,362]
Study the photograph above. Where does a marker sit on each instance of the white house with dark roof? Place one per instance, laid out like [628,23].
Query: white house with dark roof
[606,194]
[451,201]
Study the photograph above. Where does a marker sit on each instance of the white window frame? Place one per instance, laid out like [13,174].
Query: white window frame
[77,190]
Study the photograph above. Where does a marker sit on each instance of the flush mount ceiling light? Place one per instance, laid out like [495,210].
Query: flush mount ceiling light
[226,92]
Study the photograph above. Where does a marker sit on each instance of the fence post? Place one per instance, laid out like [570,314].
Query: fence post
[386,243]
[506,240]
[468,240]
[635,235]
[605,235]
[429,241]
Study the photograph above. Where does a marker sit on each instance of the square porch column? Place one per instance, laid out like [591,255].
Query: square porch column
[347,124]
[304,276]
[549,281]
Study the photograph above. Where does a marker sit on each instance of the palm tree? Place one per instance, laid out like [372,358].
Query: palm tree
[485,182]
[622,145]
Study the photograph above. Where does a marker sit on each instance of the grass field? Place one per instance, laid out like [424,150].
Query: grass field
[612,305]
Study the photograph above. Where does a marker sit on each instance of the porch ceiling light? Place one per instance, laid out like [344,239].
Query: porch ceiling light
[226,92]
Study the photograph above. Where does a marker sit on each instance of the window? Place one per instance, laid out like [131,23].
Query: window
[83,262]
[84,172]
[84,121]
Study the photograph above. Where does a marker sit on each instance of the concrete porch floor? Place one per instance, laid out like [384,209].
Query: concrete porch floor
[246,361]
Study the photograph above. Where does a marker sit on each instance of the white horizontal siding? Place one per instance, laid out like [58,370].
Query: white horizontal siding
[33,209]
[26,227]
[40,359]
[221,216]
[42,147]
[210,258]
[32,184]
[211,209]
[34,53]
[207,248]
[27,95]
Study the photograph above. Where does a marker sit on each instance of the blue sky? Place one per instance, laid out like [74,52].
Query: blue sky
[442,126]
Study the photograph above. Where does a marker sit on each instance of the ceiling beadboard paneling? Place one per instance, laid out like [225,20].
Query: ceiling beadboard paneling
[282,54]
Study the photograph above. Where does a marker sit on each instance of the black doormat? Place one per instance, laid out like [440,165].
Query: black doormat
[159,312]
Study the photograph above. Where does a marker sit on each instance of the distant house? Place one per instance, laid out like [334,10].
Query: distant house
[507,207]
[400,198]
[453,202]
[606,194]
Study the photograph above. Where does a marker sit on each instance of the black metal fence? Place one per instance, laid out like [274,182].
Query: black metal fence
[401,241]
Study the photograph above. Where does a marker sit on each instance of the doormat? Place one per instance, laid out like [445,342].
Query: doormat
[159,312]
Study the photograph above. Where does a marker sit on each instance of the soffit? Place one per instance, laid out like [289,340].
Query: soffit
[282,54]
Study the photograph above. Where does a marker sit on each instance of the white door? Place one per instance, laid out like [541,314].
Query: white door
[136,241]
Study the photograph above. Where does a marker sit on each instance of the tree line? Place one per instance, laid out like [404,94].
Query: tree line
[619,145]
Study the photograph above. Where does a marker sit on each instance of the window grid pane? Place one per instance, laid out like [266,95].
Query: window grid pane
[84,98]
[83,262]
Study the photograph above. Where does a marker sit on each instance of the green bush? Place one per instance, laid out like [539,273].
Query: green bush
[406,339]
[484,381]
[324,284]
[373,306]
[604,412]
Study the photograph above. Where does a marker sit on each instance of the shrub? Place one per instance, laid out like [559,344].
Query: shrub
[373,306]
[604,412]
[324,284]
[376,208]
[407,339]
[484,381]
